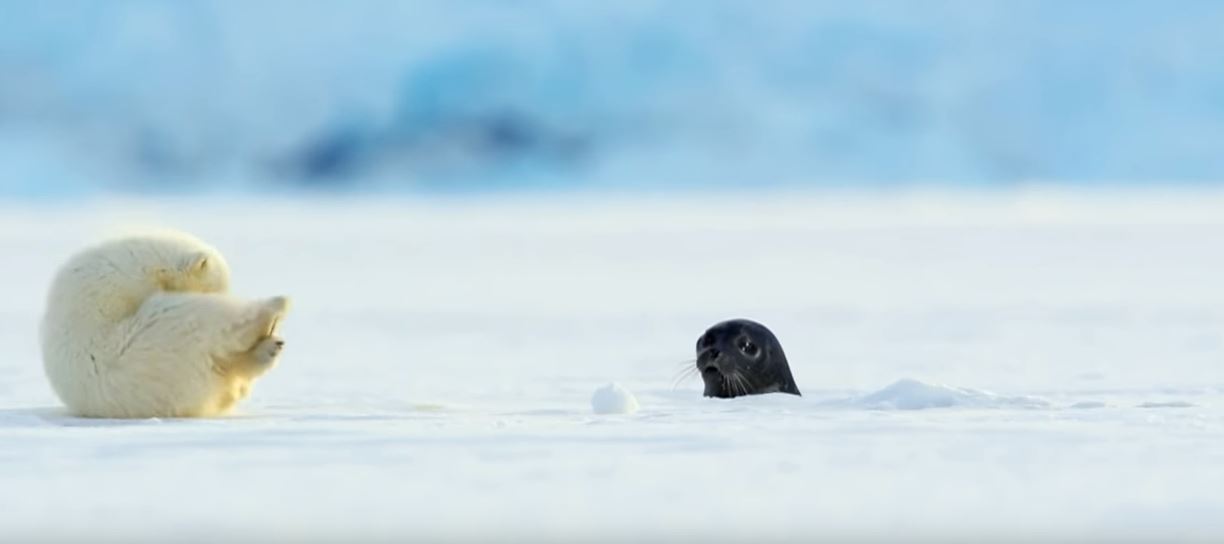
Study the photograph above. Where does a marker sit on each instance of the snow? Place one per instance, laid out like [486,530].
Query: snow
[1022,365]
[911,394]
[614,399]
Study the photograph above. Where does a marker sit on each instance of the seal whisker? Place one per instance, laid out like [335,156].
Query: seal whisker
[684,375]
[736,389]
[686,370]
[746,381]
[739,384]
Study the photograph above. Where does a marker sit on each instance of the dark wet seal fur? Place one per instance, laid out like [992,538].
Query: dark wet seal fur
[741,357]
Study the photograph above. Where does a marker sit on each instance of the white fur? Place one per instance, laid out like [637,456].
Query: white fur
[143,327]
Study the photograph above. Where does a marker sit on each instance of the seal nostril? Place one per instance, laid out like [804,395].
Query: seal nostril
[714,354]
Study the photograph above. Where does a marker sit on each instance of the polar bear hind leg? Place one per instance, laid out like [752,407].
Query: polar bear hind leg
[238,370]
[192,355]
[259,321]
[252,363]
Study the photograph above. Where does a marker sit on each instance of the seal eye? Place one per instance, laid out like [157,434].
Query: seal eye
[750,349]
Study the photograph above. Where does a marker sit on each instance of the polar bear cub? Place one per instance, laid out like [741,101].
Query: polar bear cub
[143,326]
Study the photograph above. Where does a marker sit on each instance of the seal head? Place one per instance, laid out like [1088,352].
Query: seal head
[742,357]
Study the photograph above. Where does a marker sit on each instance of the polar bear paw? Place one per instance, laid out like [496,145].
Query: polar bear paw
[266,351]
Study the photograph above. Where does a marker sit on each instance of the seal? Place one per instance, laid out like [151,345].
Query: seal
[742,357]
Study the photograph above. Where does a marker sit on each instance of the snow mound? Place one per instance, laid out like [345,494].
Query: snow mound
[613,399]
[1168,404]
[910,394]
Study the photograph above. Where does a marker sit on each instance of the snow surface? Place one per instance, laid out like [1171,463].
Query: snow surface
[1024,366]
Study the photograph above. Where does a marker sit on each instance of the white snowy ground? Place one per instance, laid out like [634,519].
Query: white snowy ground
[1025,366]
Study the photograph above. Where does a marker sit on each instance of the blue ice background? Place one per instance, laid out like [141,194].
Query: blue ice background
[480,95]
